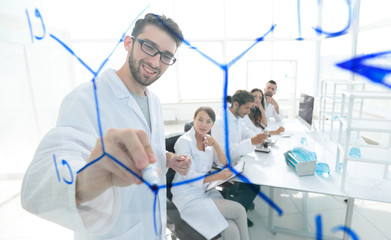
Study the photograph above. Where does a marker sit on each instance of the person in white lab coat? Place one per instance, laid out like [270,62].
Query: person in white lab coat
[272,109]
[105,200]
[206,211]
[241,142]
[241,139]
[256,121]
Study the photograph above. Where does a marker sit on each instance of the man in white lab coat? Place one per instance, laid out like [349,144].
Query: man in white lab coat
[241,142]
[103,199]
[272,109]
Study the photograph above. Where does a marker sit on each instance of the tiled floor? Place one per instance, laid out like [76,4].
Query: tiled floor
[16,223]
[371,220]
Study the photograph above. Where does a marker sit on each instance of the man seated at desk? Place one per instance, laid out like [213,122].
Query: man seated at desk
[241,142]
[272,109]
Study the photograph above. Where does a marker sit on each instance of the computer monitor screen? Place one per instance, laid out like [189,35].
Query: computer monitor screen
[306,109]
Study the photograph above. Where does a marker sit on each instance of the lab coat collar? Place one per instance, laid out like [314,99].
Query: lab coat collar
[231,116]
[192,134]
[121,91]
[192,131]
[117,86]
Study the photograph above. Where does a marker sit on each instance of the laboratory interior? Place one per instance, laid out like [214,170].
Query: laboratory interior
[327,176]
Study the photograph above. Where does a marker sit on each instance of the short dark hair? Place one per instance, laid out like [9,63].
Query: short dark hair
[272,82]
[241,97]
[166,24]
[208,110]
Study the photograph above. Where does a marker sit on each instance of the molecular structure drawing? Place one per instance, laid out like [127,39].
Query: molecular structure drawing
[224,68]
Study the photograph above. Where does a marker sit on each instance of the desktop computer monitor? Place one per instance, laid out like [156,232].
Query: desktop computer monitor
[306,109]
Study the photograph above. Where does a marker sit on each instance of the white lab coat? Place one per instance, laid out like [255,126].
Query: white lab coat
[194,204]
[250,125]
[270,112]
[239,136]
[119,213]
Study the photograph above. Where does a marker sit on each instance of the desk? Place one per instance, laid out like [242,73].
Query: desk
[270,169]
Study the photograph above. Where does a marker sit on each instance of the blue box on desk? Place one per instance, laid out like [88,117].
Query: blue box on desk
[301,160]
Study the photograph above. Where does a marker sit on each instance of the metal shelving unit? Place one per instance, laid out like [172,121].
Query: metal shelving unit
[354,123]
[330,102]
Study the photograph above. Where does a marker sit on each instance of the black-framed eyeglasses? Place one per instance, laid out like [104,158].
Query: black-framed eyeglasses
[152,51]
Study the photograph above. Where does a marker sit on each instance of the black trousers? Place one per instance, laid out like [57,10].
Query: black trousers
[243,193]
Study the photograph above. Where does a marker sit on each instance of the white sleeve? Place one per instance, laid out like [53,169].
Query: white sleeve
[279,116]
[99,214]
[183,146]
[252,129]
[245,129]
[237,150]
[270,111]
[48,188]
[237,147]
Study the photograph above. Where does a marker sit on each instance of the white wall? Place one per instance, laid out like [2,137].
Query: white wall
[35,76]
[185,111]
[34,79]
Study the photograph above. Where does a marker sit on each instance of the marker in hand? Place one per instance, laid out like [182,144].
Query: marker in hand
[151,175]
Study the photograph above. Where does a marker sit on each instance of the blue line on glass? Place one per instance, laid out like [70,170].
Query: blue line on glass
[359,65]
[38,15]
[319,230]
[65,163]
[224,67]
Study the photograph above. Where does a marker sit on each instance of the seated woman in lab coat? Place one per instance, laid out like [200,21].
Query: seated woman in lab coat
[207,212]
[256,120]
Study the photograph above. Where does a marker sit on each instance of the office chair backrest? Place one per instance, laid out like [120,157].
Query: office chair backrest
[171,140]
[188,126]
[170,143]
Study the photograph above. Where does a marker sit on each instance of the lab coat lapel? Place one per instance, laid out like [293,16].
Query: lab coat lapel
[136,108]
[153,111]
[120,91]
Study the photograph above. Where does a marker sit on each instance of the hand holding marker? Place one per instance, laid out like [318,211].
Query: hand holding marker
[151,175]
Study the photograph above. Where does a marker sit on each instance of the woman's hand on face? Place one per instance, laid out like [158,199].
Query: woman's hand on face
[261,108]
[209,141]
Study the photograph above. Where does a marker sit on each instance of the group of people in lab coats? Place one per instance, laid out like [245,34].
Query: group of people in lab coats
[257,120]
[109,130]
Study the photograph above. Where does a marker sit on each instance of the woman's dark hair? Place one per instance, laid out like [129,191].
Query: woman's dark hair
[208,110]
[263,98]
[166,24]
[241,97]
[256,114]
